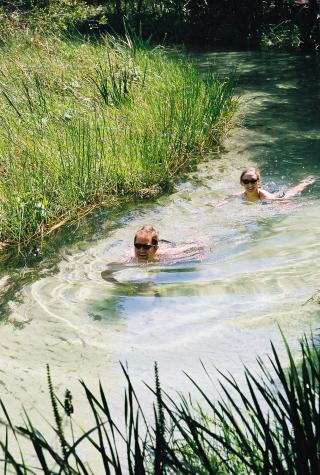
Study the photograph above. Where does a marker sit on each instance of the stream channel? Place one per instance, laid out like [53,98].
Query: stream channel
[261,266]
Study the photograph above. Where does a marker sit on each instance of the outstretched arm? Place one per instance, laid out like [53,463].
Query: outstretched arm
[309,180]
[290,193]
[113,267]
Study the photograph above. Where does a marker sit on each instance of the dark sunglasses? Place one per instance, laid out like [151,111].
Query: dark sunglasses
[139,245]
[250,182]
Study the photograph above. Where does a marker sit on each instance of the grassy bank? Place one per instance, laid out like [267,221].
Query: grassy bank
[84,123]
[269,427]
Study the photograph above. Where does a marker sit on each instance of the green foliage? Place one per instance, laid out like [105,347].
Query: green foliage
[270,427]
[82,122]
[160,455]
[57,417]
[283,24]
[55,16]
[285,36]
[66,15]
[273,426]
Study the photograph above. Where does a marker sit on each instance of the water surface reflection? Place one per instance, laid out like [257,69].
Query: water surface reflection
[260,266]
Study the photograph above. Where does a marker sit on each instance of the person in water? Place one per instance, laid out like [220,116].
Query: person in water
[250,181]
[146,244]
[148,248]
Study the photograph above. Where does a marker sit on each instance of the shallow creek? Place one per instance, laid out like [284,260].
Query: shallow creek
[261,266]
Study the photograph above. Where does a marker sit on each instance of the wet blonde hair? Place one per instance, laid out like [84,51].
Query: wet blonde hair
[148,229]
[250,169]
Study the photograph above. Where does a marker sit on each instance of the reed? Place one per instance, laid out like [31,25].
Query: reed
[270,427]
[83,122]
[274,429]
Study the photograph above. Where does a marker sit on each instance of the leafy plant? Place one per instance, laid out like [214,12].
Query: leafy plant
[269,427]
[285,35]
[83,122]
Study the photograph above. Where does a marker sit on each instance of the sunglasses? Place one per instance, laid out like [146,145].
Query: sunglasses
[250,182]
[146,247]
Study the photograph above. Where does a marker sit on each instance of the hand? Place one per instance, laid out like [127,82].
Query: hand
[308,180]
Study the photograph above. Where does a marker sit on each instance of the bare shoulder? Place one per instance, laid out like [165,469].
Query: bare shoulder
[266,195]
[186,250]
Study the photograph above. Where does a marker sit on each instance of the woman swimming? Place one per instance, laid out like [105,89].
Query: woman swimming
[250,181]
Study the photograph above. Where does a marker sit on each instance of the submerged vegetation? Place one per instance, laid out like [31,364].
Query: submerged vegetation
[84,122]
[271,427]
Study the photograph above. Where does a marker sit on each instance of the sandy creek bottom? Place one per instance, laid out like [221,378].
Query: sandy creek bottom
[261,266]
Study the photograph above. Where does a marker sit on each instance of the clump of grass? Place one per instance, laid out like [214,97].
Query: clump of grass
[270,427]
[83,122]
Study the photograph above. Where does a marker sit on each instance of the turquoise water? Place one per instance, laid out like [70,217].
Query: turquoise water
[260,267]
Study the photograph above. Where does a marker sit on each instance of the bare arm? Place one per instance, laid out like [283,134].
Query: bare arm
[265,195]
[309,180]
[290,193]
[113,267]
[187,250]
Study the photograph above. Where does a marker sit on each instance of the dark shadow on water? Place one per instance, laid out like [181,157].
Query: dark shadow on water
[286,91]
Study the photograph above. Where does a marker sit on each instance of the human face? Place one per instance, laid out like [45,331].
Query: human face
[144,250]
[250,181]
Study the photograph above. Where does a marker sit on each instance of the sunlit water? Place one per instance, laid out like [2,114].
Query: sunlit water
[260,267]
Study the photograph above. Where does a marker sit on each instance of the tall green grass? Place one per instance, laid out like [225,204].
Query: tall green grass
[83,122]
[270,427]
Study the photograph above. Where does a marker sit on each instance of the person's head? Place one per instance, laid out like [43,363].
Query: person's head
[250,178]
[146,243]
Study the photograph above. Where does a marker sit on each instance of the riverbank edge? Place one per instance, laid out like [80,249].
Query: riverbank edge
[168,166]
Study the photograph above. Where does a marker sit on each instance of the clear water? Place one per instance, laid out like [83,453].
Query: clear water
[261,266]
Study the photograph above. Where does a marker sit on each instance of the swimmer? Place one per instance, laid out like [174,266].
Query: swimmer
[146,244]
[148,248]
[250,181]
